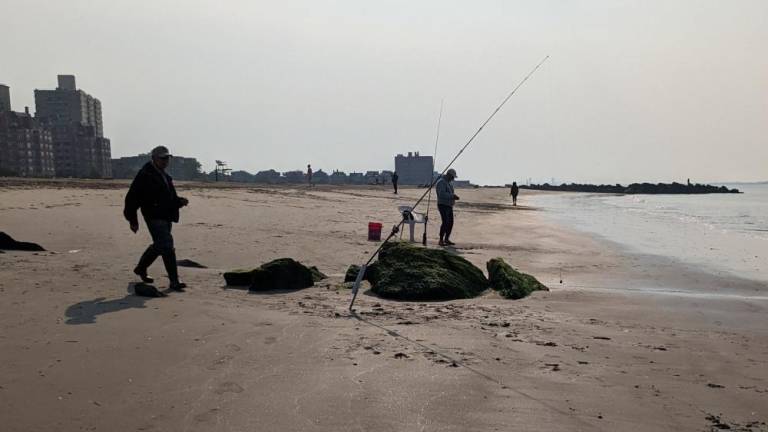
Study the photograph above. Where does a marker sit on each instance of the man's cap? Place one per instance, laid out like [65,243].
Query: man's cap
[160,152]
[451,172]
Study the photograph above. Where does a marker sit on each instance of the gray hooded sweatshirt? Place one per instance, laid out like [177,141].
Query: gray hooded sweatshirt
[444,190]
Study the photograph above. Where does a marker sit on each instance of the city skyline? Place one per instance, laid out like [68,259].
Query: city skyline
[633,91]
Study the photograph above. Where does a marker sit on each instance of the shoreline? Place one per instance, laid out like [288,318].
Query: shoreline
[80,352]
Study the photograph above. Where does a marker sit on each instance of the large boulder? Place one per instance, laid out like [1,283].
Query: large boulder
[283,273]
[511,283]
[408,272]
[8,243]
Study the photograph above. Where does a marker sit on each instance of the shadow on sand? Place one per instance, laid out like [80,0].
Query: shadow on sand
[85,312]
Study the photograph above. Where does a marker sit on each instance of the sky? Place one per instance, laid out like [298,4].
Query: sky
[633,90]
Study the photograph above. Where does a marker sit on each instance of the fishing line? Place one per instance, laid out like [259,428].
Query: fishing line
[396,228]
[431,175]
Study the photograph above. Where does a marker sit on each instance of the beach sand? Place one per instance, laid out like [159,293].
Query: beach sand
[598,352]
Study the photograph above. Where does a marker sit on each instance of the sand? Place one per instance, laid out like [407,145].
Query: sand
[598,352]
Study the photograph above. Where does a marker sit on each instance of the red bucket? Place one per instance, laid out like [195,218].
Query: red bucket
[374,231]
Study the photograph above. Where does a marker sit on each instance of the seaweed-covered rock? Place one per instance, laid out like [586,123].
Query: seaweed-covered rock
[282,273]
[146,290]
[511,283]
[317,275]
[239,277]
[352,272]
[409,272]
[8,243]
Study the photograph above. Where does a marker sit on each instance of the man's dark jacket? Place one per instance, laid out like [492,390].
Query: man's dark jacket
[156,198]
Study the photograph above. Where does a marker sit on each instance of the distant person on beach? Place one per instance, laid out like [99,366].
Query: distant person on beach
[446,198]
[152,191]
[309,175]
[395,177]
[514,190]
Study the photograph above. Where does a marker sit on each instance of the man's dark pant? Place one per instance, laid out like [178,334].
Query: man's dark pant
[446,215]
[162,245]
[395,186]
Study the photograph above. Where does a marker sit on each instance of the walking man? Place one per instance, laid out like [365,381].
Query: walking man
[514,190]
[152,191]
[445,201]
[309,175]
[395,177]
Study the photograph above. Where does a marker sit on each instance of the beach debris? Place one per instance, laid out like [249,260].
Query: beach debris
[8,243]
[511,283]
[146,290]
[189,263]
[282,273]
[408,272]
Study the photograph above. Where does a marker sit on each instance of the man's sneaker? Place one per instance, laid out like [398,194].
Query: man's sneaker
[177,286]
[449,243]
[441,243]
[143,275]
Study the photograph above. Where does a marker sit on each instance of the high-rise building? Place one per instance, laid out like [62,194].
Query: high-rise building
[74,117]
[414,169]
[5,98]
[26,148]
[67,105]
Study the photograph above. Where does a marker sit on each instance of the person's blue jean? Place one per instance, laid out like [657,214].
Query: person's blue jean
[446,216]
[162,245]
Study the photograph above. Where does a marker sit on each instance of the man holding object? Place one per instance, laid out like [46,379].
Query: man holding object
[446,198]
[152,191]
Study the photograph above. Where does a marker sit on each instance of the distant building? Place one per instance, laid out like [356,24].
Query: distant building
[180,167]
[356,178]
[5,98]
[338,177]
[320,177]
[26,148]
[74,118]
[294,177]
[413,169]
[269,177]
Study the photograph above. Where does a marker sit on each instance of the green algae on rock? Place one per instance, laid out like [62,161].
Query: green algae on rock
[511,283]
[282,273]
[317,275]
[408,272]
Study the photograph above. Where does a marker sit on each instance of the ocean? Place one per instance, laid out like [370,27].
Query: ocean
[719,233]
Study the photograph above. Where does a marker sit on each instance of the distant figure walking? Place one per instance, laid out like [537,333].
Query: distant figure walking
[309,175]
[152,191]
[446,198]
[395,177]
[514,190]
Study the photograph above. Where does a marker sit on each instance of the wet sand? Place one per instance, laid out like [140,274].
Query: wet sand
[597,352]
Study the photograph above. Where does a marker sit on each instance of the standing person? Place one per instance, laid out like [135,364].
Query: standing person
[309,175]
[445,201]
[514,190]
[152,191]
[395,177]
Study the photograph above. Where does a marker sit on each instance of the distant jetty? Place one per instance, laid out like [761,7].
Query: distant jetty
[635,188]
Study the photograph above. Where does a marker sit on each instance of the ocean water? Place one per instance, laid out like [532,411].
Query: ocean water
[720,233]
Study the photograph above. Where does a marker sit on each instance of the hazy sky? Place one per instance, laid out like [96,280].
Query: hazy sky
[633,91]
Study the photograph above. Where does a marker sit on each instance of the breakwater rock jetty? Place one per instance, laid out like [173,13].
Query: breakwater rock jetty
[635,188]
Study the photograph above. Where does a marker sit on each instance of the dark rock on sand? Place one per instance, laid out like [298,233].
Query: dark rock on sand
[409,272]
[189,263]
[146,290]
[352,272]
[283,273]
[8,243]
[317,275]
[511,283]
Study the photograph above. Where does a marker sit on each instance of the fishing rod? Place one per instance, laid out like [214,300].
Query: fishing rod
[431,174]
[396,228]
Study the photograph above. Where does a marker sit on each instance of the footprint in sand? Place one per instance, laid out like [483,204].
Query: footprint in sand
[207,416]
[228,387]
[219,362]
[233,347]
[270,340]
